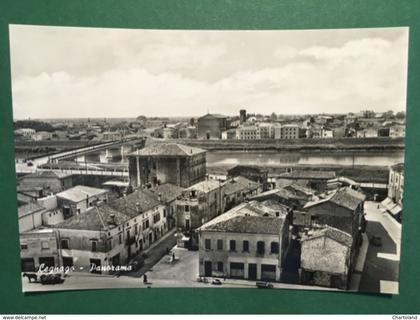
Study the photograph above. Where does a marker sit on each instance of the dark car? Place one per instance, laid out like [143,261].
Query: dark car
[376,240]
[137,263]
[264,285]
[51,279]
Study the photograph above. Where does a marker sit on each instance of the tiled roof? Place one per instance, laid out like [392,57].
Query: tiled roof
[168,191]
[95,219]
[239,183]
[80,193]
[332,233]
[136,203]
[344,197]
[298,187]
[252,217]
[275,193]
[308,174]
[29,208]
[167,149]
[205,186]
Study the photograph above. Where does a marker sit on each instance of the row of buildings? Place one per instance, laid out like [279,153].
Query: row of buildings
[62,224]
[216,126]
[303,227]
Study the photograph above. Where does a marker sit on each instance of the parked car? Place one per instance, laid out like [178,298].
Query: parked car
[376,240]
[137,263]
[264,285]
[51,278]
[216,282]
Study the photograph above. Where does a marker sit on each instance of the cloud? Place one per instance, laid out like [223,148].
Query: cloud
[114,73]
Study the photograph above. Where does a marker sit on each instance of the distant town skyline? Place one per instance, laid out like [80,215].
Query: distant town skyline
[67,72]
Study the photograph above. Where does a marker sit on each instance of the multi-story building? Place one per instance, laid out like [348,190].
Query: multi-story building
[290,131]
[78,199]
[105,236]
[30,216]
[394,202]
[247,242]
[342,209]
[168,194]
[211,126]
[161,163]
[265,131]
[247,132]
[49,181]
[229,134]
[326,258]
[112,135]
[42,135]
[25,132]
[148,212]
[95,239]
[397,131]
[197,205]
[313,179]
[254,173]
[38,247]
[238,189]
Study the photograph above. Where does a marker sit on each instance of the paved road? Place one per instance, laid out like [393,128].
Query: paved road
[381,271]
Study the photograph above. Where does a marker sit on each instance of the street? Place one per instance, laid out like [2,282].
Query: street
[381,270]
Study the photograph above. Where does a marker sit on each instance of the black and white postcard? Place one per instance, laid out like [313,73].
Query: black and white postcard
[212,159]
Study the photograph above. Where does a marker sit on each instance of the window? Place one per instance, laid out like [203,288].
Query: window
[187,208]
[156,218]
[164,213]
[219,244]
[260,247]
[23,247]
[145,224]
[120,239]
[220,266]
[245,246]
[94,245]
[64,243]
[136,229]
[187,224]
[232,245]
[207,244]
[45,245]
[274,247]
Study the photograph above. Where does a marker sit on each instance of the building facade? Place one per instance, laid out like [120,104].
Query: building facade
[211,126]
[167,163]
[78,199]
[197,205]
[247,242]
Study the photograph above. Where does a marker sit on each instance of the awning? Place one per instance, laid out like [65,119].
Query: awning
[396,210]
[387,202]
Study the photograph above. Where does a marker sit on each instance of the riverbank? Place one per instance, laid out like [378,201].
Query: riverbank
[300,145]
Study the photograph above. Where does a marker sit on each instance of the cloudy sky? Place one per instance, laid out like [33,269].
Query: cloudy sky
[93,72]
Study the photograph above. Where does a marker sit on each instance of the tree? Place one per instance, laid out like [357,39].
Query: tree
[273,116]
[192,122]
[389,114]
[400,115]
